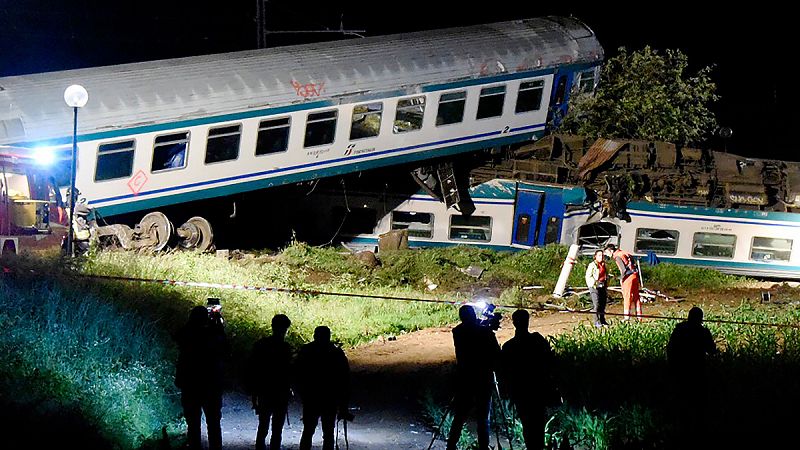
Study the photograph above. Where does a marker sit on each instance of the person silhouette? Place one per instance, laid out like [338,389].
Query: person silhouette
[688,350]
[477,355]
[526,368]
[199,374]
[268,375]
[322,380]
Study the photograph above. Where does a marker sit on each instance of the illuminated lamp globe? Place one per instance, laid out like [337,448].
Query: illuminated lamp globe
[76,96]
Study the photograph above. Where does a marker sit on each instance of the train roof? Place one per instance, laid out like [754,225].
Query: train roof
[138,94]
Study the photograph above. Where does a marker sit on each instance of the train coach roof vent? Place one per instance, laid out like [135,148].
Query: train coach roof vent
[11,129]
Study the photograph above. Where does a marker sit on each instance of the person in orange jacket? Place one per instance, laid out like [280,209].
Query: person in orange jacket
[629,279]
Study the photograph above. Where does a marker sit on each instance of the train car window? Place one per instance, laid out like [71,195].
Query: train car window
[662,242]
[366,122]
[418,224]
[490,102]
[320,128]
[273,136]
[713,245]
[169,151]
[529,97]
[451,108]
[470,228]
[409,114]
[354,222]
[223,143]
[114,160]
[770,249]
[586,81]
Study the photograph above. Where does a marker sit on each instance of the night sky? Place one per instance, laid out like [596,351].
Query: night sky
[749,46]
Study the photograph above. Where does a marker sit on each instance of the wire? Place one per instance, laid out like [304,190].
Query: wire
[403,299]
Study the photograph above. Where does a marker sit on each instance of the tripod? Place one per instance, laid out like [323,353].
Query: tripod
[495,395]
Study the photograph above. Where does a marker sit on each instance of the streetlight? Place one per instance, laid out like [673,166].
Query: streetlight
[76,97]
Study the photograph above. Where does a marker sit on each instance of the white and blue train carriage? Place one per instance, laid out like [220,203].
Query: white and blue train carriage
[508,215]
[513,215]
[164,133]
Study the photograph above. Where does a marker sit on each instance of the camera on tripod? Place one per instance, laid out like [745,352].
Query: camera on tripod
[486,315]
[214,308]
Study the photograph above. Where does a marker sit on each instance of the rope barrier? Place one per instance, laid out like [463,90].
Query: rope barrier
[265,289]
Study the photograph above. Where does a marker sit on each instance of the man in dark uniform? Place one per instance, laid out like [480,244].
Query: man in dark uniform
[323,378]
[687,351]
[268,379]
[526,370]
[477,354]
[199,372]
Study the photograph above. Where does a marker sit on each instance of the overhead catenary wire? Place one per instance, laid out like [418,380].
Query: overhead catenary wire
[314,292]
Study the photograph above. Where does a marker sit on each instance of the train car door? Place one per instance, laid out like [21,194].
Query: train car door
[559,98]
[527,213]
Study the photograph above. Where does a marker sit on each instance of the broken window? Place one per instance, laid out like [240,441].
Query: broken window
[470,228]
[771,249]
[366,121]
[713,245]
[223,143]
[529,97]
[169,151]
[586,81]
[273,136]
[418,224]
[451,108]
[114,160]
[662,242]
[320,128]
[490,103]
[409,114]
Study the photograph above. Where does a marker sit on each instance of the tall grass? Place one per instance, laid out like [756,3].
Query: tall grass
[65,351]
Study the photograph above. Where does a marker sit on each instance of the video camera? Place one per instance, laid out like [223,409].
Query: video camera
[214,308]
[486,315]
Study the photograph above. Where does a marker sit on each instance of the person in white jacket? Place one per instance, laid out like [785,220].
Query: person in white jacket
[596,281]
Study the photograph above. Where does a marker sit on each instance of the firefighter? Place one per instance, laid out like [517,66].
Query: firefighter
[628,278]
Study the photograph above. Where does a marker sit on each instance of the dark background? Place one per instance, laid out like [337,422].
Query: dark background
[751,47]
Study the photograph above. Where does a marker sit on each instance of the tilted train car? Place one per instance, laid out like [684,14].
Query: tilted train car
[163,133]
[514,215]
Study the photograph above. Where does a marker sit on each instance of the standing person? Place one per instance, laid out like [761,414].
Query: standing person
[477,355]
[628,278]
[526,371]
[596,281]
[688,349]
[323,377]
[268,380]
[202,349]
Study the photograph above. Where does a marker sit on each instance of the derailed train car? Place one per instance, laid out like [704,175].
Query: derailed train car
[516,215]
[160,134]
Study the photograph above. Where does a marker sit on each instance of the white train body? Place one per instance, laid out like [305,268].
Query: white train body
[167,132]
[512,215]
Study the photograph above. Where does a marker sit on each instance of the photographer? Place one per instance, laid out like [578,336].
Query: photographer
[527,364]
[323,378]
[477,354]
[597,282]
[268,381]
[202,349]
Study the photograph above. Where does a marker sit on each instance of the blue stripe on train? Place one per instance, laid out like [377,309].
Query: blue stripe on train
[218,191]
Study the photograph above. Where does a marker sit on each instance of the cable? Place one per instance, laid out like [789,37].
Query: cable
[405,299]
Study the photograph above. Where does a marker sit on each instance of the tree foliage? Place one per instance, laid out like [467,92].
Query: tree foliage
[647,95]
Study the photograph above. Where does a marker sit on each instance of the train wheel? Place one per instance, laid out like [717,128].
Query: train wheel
[158,229]
[195,234]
